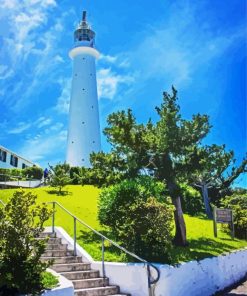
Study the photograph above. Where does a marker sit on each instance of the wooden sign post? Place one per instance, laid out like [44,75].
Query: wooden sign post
[224,216]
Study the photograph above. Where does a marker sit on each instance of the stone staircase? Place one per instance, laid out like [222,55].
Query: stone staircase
[86,281]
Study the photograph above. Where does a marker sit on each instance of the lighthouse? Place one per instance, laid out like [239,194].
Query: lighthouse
[84,128]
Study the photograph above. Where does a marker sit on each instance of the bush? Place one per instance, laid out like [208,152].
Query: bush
[191,200]
[21,222]
[238,203]
[33,172]
[140,216]
[9,174]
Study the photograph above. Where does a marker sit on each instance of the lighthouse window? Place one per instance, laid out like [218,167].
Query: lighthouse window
[83,122]
[92,107]
[72,142]
[83,159]
[75,74]
[93,142]
[83,89]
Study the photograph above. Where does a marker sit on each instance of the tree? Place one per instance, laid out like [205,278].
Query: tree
[21,222]
[213,170]
[60,176]
[159,148]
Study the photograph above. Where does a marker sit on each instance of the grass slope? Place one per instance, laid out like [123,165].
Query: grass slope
[82,202]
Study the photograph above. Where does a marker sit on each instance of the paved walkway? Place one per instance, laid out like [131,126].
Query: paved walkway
[241,290]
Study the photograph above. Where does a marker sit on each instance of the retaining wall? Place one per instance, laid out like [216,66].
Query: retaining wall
[194,278]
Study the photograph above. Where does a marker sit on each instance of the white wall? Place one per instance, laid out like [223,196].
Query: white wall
[194,278]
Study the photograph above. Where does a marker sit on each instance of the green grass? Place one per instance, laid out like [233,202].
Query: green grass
[82,202]
[49,281]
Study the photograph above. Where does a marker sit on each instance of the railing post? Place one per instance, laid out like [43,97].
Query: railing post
[53,216]
[103,257]
[75,252]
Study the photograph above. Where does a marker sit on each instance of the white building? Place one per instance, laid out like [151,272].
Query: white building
[11,160]
[84,128]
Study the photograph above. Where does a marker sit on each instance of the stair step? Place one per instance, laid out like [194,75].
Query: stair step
[90,283]
[63,260]
[99,291]
[52,240]
[56,247]
[79,275]
[57,253]
[71,267]
[47,234]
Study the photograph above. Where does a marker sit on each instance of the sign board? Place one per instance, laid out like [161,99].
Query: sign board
[223,216]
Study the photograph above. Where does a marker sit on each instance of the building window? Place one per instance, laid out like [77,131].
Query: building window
[3,155]
[13,160]
[24,166]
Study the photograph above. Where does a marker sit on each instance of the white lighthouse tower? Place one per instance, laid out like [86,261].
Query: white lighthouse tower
[84,129]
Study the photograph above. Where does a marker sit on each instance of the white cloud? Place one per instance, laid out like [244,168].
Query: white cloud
[108,58]
[173,50]
[109,82]
[44,146]
[21,127]
[43,122]
[64,98]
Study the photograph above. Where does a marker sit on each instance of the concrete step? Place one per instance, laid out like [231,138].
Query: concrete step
[99,291]
[90,283]
[79,275]
[56,247]
[57,253]
[47,234]
[63,260]
[71,267]
[52,240]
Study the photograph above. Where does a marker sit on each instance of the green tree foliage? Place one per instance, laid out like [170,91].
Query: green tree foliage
[33,172]
[238,203]
[158,149]
[60,176]
[191,200]
[215,166]
[21,222]
[170,150]
[137,215]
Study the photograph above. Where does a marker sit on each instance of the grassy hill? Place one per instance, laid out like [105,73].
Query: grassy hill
[82,202]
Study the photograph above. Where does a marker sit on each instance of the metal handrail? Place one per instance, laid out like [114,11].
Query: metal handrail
[8,178]
[103,238]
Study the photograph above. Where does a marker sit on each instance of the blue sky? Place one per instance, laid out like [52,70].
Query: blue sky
[146,46]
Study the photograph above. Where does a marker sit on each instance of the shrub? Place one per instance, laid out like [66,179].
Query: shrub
[238,203]
[33,172]
[191,200]
[140,216]
[21,222]
[9,174]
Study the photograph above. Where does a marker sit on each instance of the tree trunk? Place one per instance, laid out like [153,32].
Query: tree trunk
[167,174]
[206,201]
[180,234]
[180,228]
